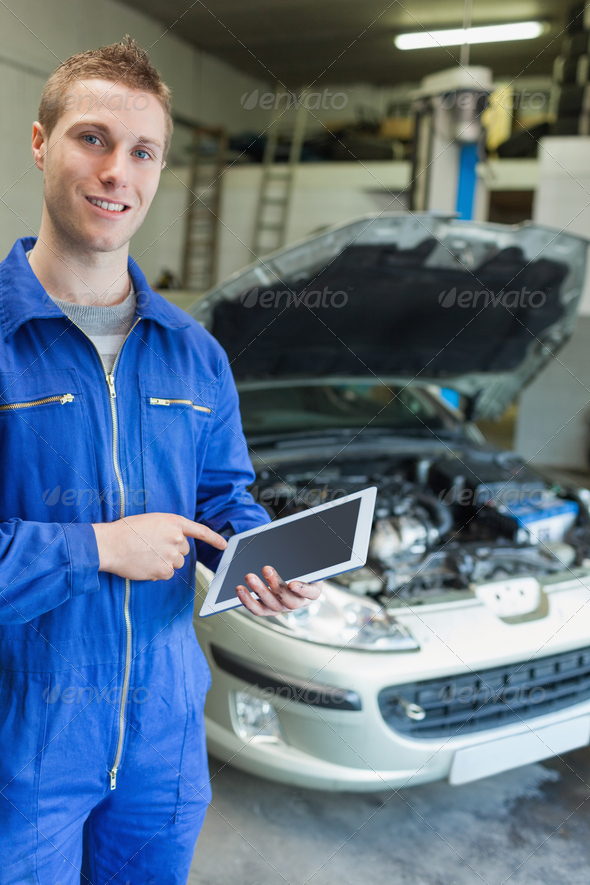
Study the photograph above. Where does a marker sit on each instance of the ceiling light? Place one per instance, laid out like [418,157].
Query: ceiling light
[461,36]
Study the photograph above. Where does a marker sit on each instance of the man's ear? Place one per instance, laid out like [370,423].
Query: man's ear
[38,145]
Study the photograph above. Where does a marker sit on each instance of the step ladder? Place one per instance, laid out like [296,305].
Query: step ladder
[209,149]
[276,185]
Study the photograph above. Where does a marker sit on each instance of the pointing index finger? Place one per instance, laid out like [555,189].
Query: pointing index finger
[202,533]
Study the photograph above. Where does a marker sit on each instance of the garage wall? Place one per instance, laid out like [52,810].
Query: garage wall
[554,413]
[159,243]
[324,194]
[339,103]
[204,89]
[553,425]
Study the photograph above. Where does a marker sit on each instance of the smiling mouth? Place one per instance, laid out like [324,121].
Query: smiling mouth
[106,204]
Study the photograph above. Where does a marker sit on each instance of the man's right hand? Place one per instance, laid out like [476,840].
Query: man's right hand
[149,546]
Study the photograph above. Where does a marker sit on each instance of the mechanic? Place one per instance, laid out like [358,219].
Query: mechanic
[123,458]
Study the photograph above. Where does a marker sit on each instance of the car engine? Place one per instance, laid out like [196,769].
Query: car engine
[442,524]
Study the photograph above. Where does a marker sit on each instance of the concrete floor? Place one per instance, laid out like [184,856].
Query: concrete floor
[530,826]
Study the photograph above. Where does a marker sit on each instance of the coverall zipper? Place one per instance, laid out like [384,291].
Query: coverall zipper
[155,401]
[110,379]
[63,398]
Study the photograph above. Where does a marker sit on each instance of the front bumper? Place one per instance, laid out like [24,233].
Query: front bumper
[336,749]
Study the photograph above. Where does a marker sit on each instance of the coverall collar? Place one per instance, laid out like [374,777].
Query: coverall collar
[23,298]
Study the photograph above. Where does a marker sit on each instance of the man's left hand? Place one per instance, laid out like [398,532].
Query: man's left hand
[274,595]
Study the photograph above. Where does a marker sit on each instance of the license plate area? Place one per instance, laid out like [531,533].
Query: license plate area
[493,757]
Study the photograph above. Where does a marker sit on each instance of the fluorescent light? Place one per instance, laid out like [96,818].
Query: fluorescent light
[460,36]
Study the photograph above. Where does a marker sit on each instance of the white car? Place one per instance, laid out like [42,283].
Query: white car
[363,356]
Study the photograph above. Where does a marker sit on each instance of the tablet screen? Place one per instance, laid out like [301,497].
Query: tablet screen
[301,547]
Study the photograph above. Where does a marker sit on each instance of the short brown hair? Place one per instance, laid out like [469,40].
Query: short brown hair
[122,62]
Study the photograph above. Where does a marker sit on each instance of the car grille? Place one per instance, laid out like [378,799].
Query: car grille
[488,699]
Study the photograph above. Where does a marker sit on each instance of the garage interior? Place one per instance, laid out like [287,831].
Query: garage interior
[292,117]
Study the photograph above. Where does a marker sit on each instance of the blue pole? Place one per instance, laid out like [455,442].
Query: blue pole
[467,181]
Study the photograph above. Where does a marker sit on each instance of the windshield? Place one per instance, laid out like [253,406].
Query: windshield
[316,407]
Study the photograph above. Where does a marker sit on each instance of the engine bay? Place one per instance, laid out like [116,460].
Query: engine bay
[444,523]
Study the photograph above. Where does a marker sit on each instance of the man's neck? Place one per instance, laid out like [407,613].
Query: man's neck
[85,277]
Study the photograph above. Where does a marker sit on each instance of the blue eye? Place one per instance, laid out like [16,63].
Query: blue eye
[96,141]
[146,155]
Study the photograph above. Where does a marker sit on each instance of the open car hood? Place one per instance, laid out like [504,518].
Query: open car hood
[426,298]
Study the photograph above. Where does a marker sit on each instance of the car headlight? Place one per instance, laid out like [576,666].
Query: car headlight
[340,619]
[255,718]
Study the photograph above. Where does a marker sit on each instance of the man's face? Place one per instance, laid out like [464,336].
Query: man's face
[101,164]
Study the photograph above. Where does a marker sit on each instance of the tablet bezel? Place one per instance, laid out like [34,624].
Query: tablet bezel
[358,557]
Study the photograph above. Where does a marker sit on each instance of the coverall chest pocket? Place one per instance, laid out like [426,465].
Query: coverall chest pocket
[176,422]
[46,444]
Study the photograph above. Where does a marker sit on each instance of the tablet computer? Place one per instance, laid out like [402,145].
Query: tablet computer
[318,543]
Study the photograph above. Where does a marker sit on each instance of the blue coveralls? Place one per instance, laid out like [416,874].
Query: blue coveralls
[102,682]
